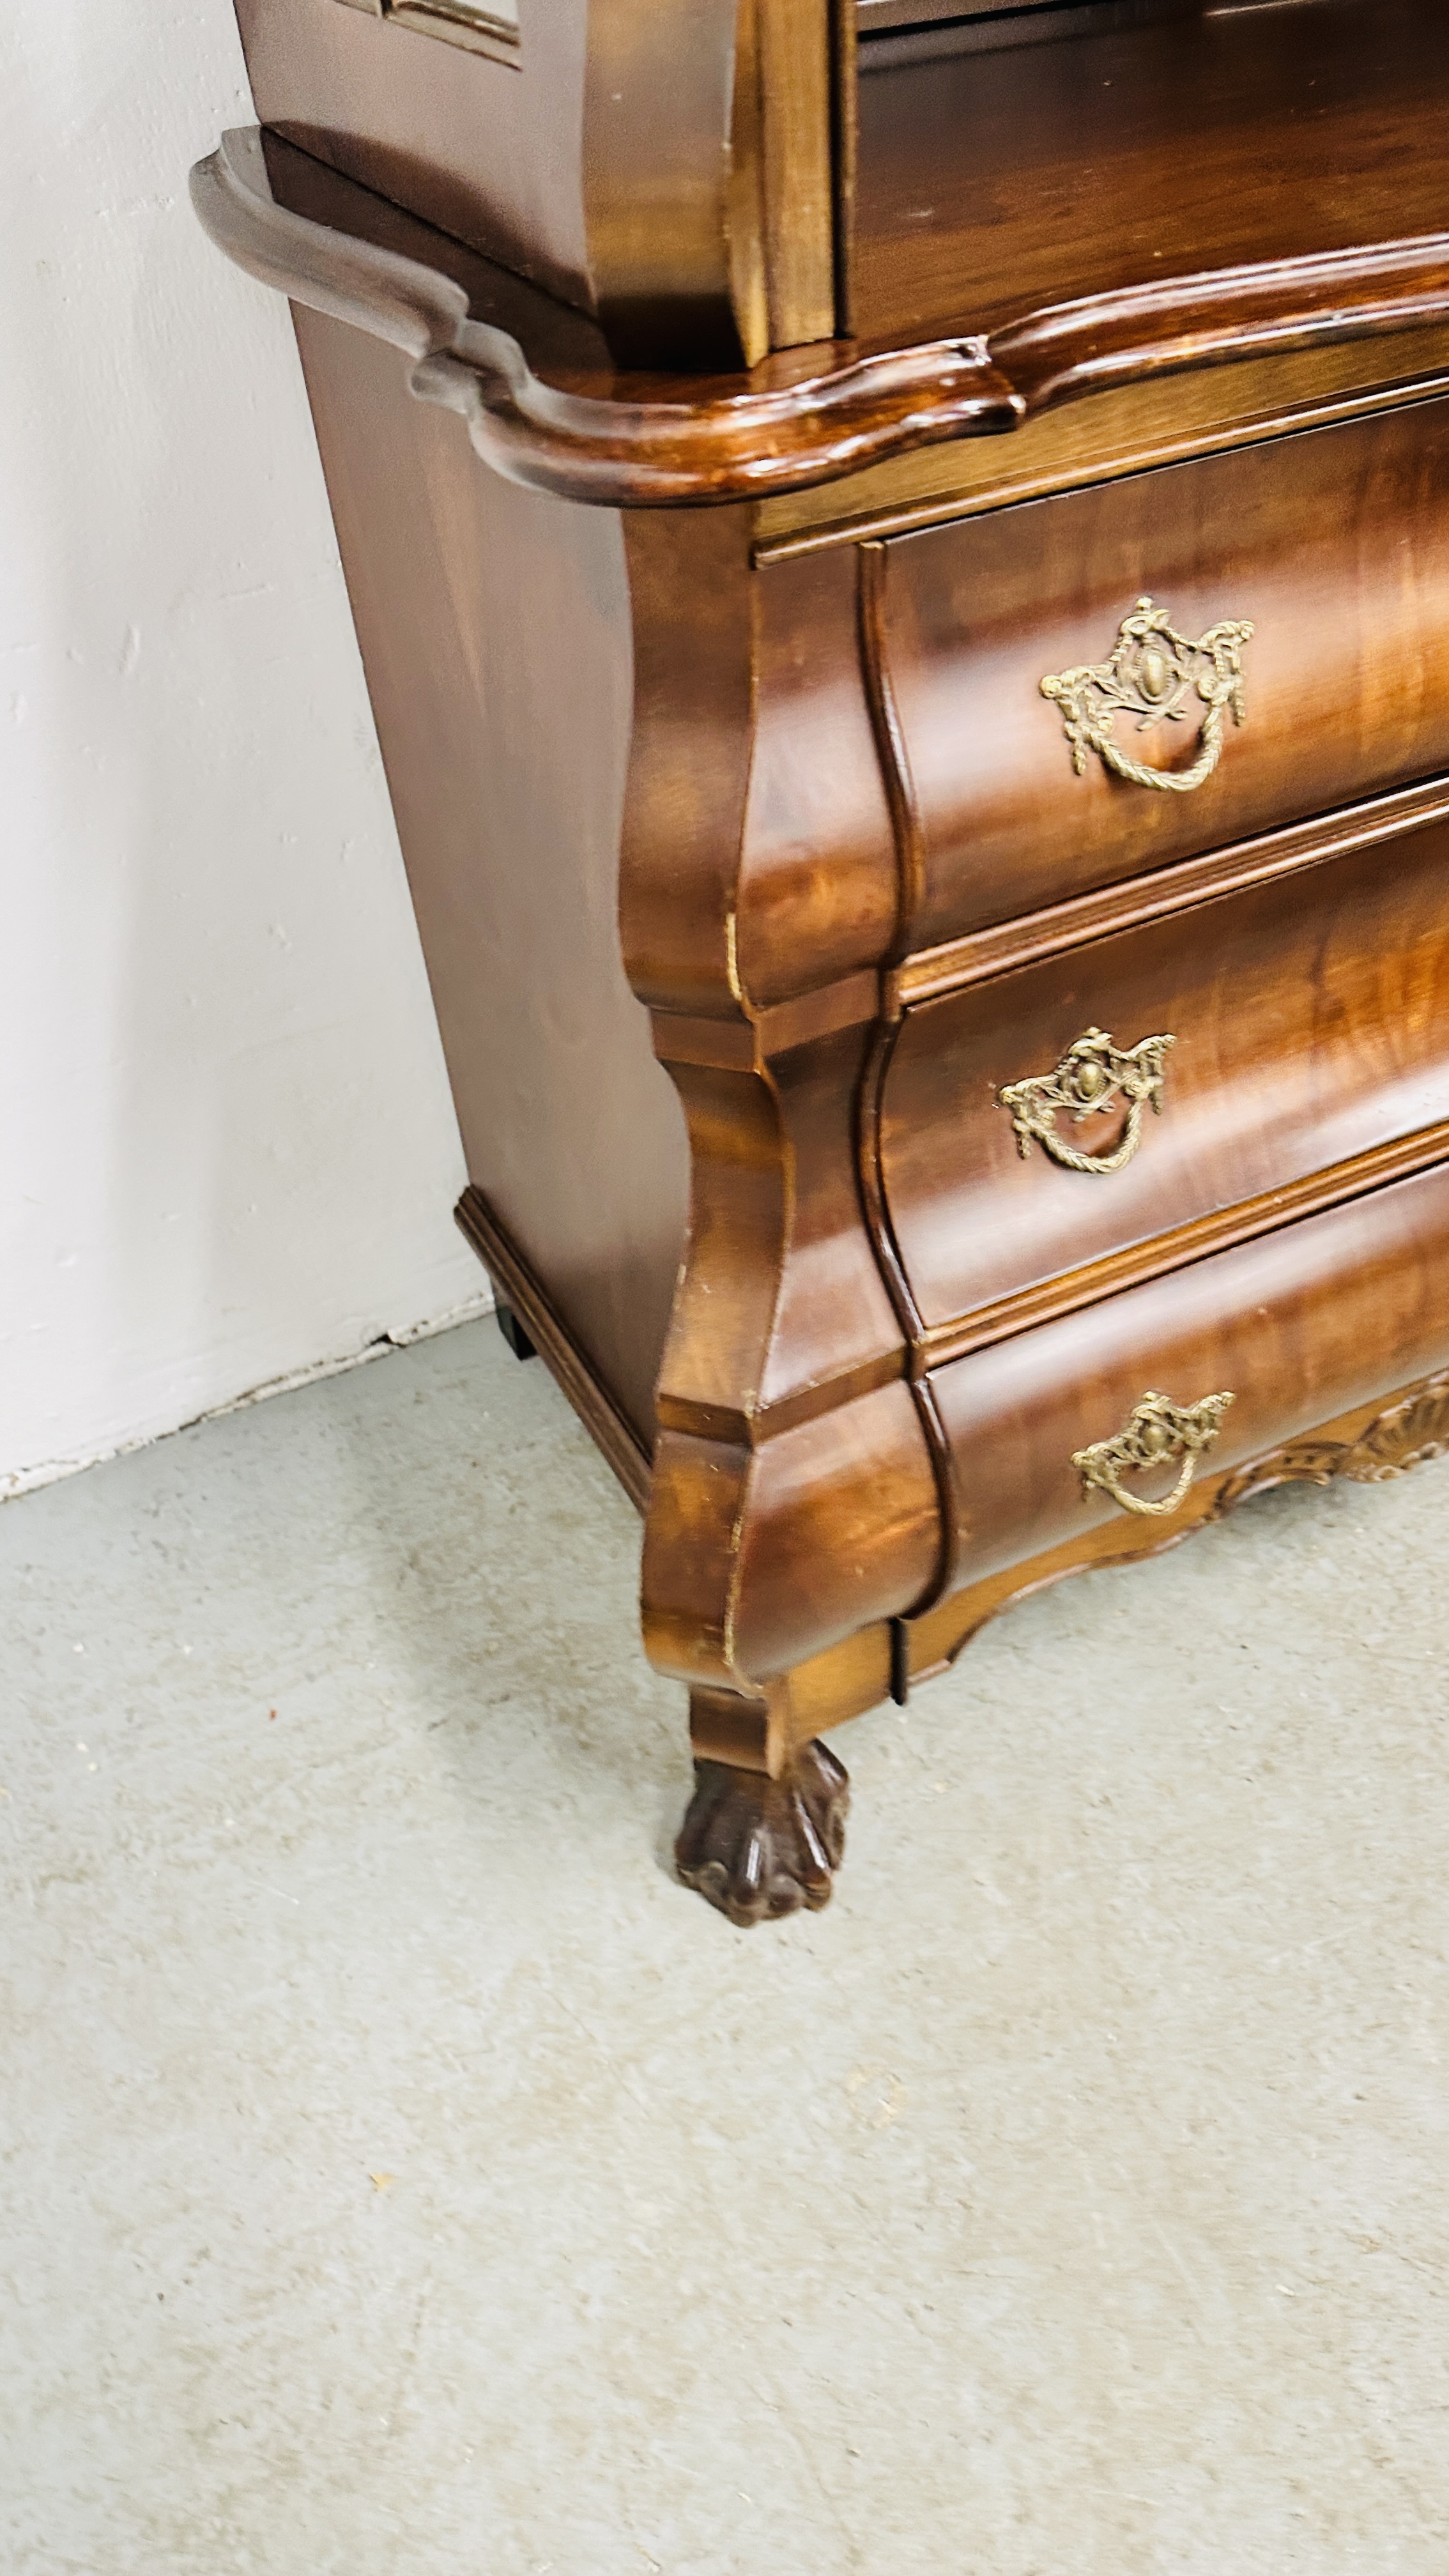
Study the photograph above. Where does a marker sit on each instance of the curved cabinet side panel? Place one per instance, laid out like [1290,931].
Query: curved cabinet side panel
[757,1562]
[694,690]
[795,1500]
[818,873]
[494,626]
[842,1526]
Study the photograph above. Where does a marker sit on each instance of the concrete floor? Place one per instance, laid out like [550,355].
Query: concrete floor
[403,2177]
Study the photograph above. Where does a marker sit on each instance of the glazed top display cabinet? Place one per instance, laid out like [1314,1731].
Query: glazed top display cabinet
[901,555]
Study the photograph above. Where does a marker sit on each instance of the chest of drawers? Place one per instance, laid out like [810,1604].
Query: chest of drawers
[931,838]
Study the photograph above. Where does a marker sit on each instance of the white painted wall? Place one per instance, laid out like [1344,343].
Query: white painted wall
[227,1152]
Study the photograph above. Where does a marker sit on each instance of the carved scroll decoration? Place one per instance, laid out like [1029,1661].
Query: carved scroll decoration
[1149,674]
[1407,1436]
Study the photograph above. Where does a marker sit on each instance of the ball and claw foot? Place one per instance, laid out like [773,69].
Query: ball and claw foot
[754,1846]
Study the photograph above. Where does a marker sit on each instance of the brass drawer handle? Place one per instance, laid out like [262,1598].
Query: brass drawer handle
[1092,1070]
[1158,1432]
[1148,675]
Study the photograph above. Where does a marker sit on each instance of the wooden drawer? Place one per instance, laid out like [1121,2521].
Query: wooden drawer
[1309,1019]
[1298,1327]
[1335,546]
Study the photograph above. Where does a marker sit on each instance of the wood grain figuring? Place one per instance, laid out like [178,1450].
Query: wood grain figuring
[659,184]
[751,862]
[759,892]
[507,774]
[548,416]
[1241,1222]
[743,1578]
[780,1311]
[1233,136]
[1160,420]
[1335,544]
[816,901]
[1262,861]
[545,417]
[1370,1443]
[1311,1026]
[760,1732]
[796,76]
[1301,1325]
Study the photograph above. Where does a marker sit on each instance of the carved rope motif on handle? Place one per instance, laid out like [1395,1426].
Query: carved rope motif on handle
[1148,675]
[1093,1068]
[1158,1432]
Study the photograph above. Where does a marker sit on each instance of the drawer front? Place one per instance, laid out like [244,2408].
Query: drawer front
[1308,1020]
[1297,1328]
[1333,545]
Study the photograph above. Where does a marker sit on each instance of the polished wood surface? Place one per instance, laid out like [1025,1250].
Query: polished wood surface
[666,165]
[540,397]
[490,153]
[1317,1317]
[1334,544]
[534,1328]
[751,862]
[759,890]
[1310,1019]
[545,406]
[1372,1443]
[1160,420]
[927,30]
[760,1847]
[506,744]
[994,183]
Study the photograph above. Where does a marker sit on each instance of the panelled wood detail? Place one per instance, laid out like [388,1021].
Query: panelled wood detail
[797,76]
[759,895]
[664,165]
[1156,420]
[1032,937]
[1173,1250]
[1371,1444]
[1335,545]
[1310,1024]
[1345,1305]
[862,888]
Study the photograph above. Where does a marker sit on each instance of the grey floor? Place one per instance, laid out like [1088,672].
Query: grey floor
[403,2177]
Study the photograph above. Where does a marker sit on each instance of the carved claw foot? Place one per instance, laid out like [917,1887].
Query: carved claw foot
[755,1846]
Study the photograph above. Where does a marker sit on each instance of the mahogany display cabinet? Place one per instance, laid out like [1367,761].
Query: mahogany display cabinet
[902,561]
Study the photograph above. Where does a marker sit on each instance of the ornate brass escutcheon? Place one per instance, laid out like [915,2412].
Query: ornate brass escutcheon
[1148,675]
[1093,1072]
[1158,1432]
